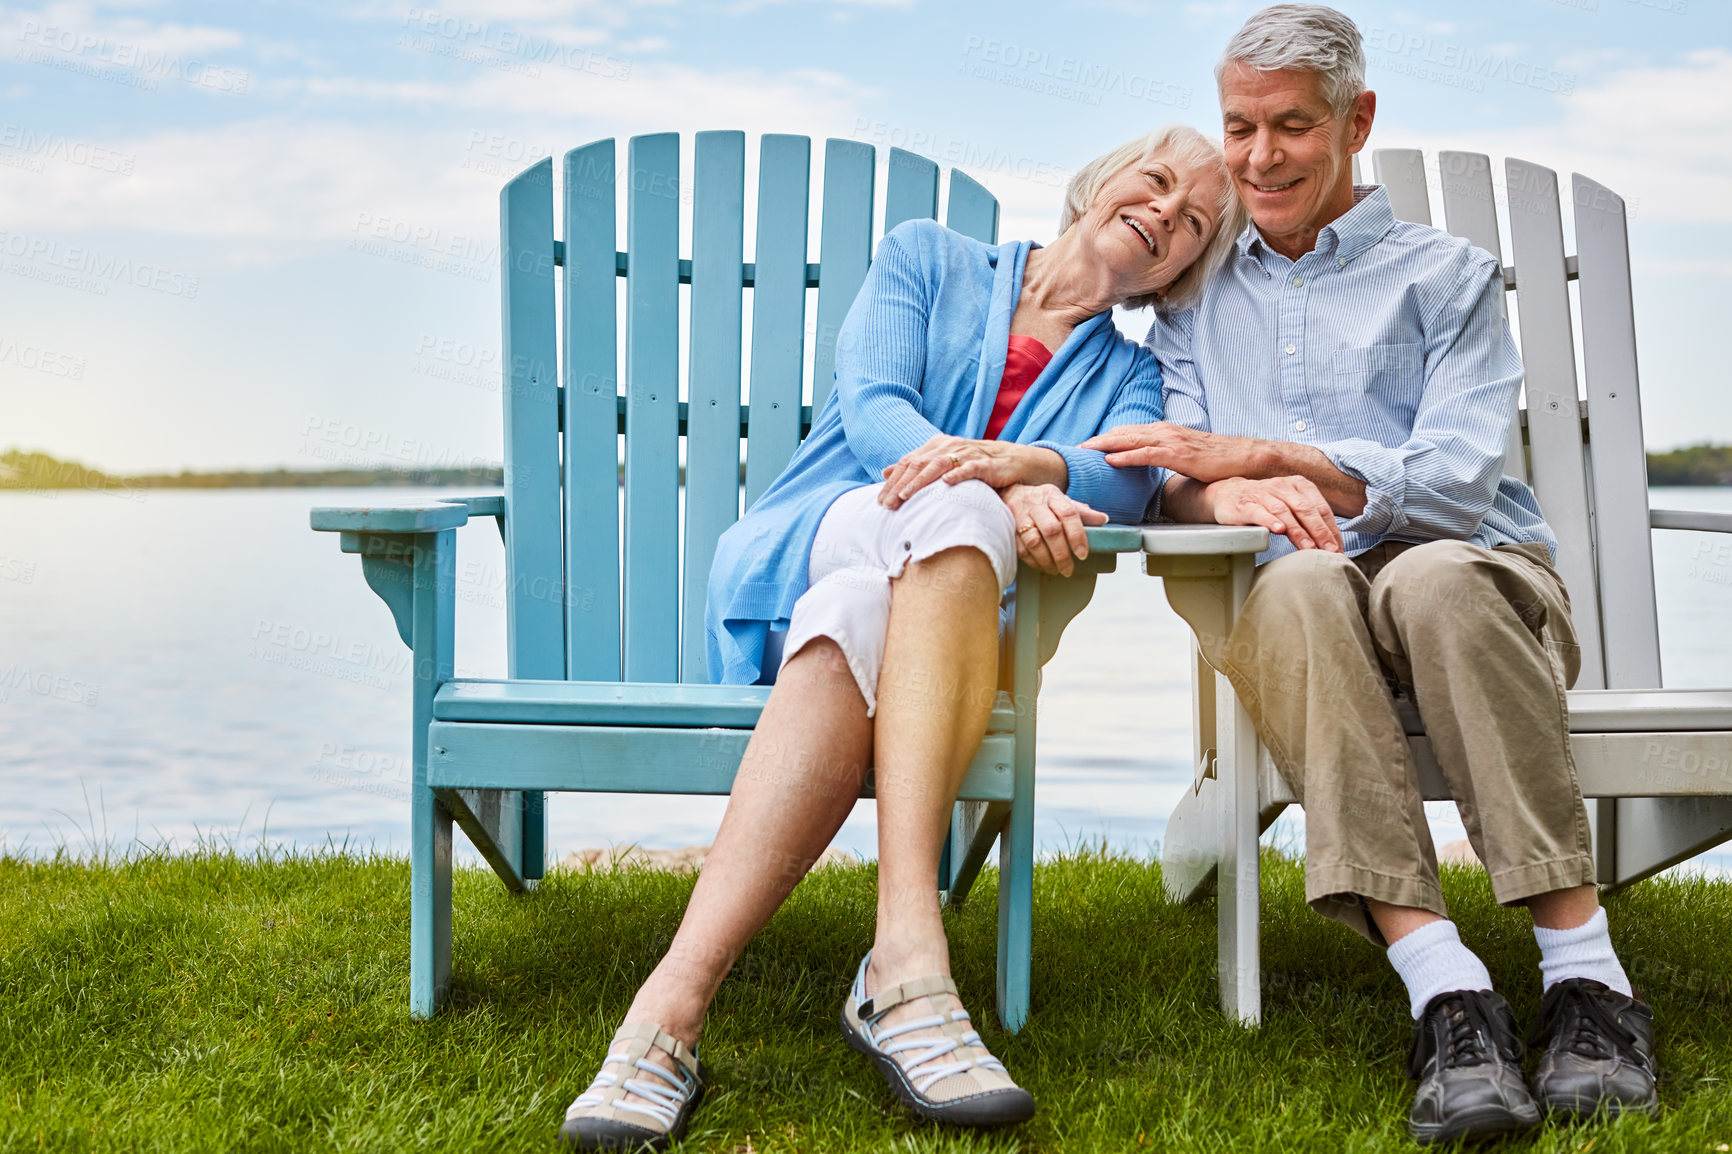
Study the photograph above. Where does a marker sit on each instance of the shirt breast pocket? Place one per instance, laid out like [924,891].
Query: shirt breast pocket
[1378,380]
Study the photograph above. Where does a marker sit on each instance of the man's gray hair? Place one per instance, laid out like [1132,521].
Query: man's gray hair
[1181,144]
[1309,37]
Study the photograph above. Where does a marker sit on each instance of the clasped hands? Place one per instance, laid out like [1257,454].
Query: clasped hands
[1227,480]
[1050,527]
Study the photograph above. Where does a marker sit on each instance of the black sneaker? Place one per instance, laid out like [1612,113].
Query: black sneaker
[1467,1057]
[1599,1051]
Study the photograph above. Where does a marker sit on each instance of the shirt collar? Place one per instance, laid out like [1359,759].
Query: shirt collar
[1347,235]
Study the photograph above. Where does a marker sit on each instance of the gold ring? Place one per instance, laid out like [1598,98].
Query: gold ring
[1028,528]
[955,461]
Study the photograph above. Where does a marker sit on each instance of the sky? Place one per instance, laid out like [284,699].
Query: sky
[265,234]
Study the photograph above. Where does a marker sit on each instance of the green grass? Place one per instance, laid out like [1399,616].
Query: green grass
[215,1002]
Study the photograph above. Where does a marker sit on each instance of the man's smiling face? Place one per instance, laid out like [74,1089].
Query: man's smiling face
[1291,157]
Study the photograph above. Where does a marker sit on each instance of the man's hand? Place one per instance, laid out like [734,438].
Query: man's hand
[958,459]
[1211,457]
[1205,456]
[1290,507]
[1049,527]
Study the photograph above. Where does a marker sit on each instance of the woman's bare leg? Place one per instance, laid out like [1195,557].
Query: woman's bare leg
[802,773]
[935,694]
[799,779]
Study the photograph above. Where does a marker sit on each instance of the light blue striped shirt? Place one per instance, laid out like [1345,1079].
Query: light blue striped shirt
[1386,347]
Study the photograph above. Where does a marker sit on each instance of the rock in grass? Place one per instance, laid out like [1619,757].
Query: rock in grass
[682,860]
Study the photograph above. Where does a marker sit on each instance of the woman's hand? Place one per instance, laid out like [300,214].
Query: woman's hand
[1049,527]
[1292,507]
[958,459]
[1205,456]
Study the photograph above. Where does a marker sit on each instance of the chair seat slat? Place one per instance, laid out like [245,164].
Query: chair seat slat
[625,703]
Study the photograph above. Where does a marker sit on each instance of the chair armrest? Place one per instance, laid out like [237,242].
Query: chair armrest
[485,505]
[1202,540]
[1114,538]
[1178,540]
[388,538]
[1699,519]
[390,518]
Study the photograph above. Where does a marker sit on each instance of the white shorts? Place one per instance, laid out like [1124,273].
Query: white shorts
[861,546]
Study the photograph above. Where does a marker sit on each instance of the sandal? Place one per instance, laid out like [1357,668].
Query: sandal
[602,1119]
[933,1074]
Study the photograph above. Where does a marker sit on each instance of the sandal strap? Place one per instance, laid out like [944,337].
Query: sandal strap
[662,1040]
[664,1092]
[886,1000]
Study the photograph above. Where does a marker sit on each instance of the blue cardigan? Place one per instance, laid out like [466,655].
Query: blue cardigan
[921,353]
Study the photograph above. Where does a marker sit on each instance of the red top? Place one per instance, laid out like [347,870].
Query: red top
[1023,361]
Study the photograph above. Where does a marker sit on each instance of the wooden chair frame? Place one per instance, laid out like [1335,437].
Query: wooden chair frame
[606,679]
[1659,761]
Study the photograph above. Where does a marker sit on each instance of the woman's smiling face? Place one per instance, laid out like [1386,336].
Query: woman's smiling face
[1151,220]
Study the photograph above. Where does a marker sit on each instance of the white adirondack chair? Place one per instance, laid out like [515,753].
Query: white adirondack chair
[1658,760]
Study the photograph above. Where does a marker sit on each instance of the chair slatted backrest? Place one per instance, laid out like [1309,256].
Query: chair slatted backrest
[1470,212]
[651,574]
[535,610]
[589,360]
[713,421]
[1558,457]
[1589,465]
[1402,172]
[1619,459]
[778,310]
[604,601]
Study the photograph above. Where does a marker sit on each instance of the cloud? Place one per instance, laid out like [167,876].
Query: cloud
[1660,136]
[277,183]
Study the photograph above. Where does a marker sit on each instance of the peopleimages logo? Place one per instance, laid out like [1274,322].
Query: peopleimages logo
[103,268]
[1410,52]
[52,146]
[1065,77]
[91,50]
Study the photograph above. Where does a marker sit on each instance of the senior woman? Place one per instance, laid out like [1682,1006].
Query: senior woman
[869,595]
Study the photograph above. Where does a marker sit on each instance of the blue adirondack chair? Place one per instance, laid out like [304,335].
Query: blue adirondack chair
[607,677]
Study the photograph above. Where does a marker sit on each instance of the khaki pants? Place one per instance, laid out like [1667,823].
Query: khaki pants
[1482,641]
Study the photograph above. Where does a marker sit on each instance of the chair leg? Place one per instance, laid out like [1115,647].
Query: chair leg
[429,905]
[1239,901]
[1015,913]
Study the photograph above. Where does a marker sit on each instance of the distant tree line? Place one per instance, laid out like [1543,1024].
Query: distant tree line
[21,470]
[1697,465]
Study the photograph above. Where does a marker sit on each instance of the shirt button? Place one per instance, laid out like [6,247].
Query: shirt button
[1297,281]
[1291,349]
[1299,426]
[1341,262]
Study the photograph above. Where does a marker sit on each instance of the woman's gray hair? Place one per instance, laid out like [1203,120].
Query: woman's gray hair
[1309,37]
[1183,145]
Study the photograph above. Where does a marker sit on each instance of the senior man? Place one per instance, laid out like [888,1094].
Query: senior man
[1347,381]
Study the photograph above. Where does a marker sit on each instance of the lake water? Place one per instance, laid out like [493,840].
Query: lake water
[200,664]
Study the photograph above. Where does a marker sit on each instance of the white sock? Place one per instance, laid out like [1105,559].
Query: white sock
[1583,952]
[1431,961]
